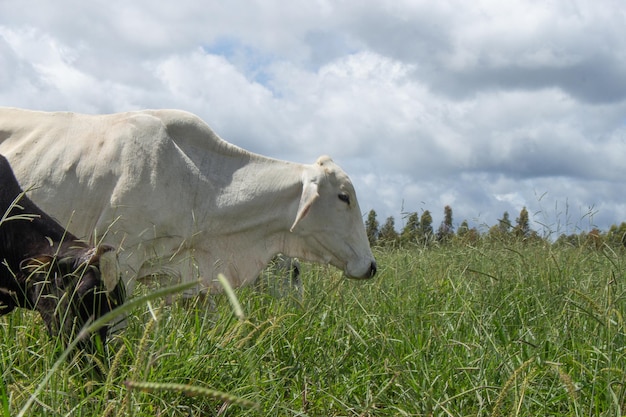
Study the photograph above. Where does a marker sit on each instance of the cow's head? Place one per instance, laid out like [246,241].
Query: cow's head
[72,289]
[329,221]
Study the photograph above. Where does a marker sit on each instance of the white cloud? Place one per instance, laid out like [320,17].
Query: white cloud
[485,106]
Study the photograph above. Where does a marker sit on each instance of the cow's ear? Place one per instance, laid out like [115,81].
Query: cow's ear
[309,195]
[109,268]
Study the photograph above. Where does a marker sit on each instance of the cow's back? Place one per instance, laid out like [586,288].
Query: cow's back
[84,167]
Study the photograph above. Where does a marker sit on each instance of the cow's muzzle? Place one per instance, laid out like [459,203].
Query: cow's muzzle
[371,271]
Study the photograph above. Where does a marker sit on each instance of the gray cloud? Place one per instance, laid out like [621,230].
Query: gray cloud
[597,80]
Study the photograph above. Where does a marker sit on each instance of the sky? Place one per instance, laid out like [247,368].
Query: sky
[485,106]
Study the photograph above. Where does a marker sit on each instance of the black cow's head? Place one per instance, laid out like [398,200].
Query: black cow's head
[71,290]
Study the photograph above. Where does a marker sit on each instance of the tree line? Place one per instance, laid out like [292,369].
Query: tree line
[419,230]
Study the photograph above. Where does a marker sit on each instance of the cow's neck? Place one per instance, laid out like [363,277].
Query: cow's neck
[263,196]
[255,224]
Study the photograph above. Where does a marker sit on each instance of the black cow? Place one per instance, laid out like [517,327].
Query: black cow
[45,268]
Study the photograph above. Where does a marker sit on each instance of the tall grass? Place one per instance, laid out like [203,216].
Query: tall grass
[452,331]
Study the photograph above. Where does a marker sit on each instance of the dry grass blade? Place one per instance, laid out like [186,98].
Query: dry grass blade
[232,297]
[190,391]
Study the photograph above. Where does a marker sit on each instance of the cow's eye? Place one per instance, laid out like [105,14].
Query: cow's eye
[344,197]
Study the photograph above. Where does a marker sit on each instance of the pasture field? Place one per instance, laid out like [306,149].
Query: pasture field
[493,330]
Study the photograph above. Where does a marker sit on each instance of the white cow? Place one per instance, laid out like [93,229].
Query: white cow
[179,200]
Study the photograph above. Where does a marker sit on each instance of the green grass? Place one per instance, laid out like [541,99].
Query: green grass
[453,331]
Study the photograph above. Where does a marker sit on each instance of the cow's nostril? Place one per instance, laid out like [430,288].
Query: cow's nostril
[373,269]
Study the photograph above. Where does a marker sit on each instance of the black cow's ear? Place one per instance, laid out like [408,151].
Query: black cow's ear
[106,260]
